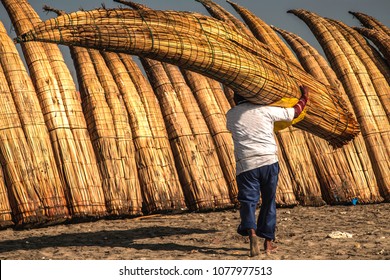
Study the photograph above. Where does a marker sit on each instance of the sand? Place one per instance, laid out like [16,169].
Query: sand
[307,233]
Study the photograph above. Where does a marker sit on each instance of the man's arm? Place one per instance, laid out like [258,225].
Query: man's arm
[298,108]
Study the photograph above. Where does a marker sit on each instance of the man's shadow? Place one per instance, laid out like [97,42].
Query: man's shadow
[112,238]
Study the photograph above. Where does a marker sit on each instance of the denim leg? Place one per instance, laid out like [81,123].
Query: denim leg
[266,222]
[248,196]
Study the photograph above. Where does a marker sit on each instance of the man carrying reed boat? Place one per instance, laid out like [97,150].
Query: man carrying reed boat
[257,166]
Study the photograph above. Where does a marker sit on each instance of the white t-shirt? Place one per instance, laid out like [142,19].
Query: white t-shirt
[252,128]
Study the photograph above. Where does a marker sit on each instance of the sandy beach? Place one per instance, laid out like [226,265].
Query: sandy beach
[360,232]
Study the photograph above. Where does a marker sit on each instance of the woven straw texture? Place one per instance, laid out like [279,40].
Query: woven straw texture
[158,175]
[64,119]
[205,45]
[110,133]
[5,207]
[381,40]
[202,192]
[33,182]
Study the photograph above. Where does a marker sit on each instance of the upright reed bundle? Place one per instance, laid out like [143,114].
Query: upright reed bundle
[286,190]
[296,153]
[160,184]
[352,73]
[371,22]
[17,160]
[5,207]
[229,93]
[199,193]
[126,162]
[360,47]
[376,31]
[216,121]
[371,51]
[309,57]
[63,117]
[205,45]
[380,39]
[212,113]
[203,138]
[101,125]
[23,105]
[219,94]
[159,130]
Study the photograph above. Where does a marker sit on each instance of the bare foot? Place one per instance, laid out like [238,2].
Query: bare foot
[254,245]
[269,247]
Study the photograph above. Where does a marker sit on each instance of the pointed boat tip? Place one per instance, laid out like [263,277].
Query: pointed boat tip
[300,10]
[352,13]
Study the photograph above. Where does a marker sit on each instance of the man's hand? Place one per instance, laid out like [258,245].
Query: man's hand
[305,92]
[298,108]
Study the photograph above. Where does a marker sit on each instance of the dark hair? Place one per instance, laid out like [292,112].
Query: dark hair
[238,98]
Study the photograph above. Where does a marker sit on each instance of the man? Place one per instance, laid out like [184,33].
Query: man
[257,167]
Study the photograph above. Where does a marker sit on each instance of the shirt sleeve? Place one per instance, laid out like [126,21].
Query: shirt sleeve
[281,114]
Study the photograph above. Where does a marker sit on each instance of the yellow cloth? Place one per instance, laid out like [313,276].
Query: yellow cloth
[287,103]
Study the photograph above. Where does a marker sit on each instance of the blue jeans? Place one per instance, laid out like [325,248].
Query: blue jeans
[251,184]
